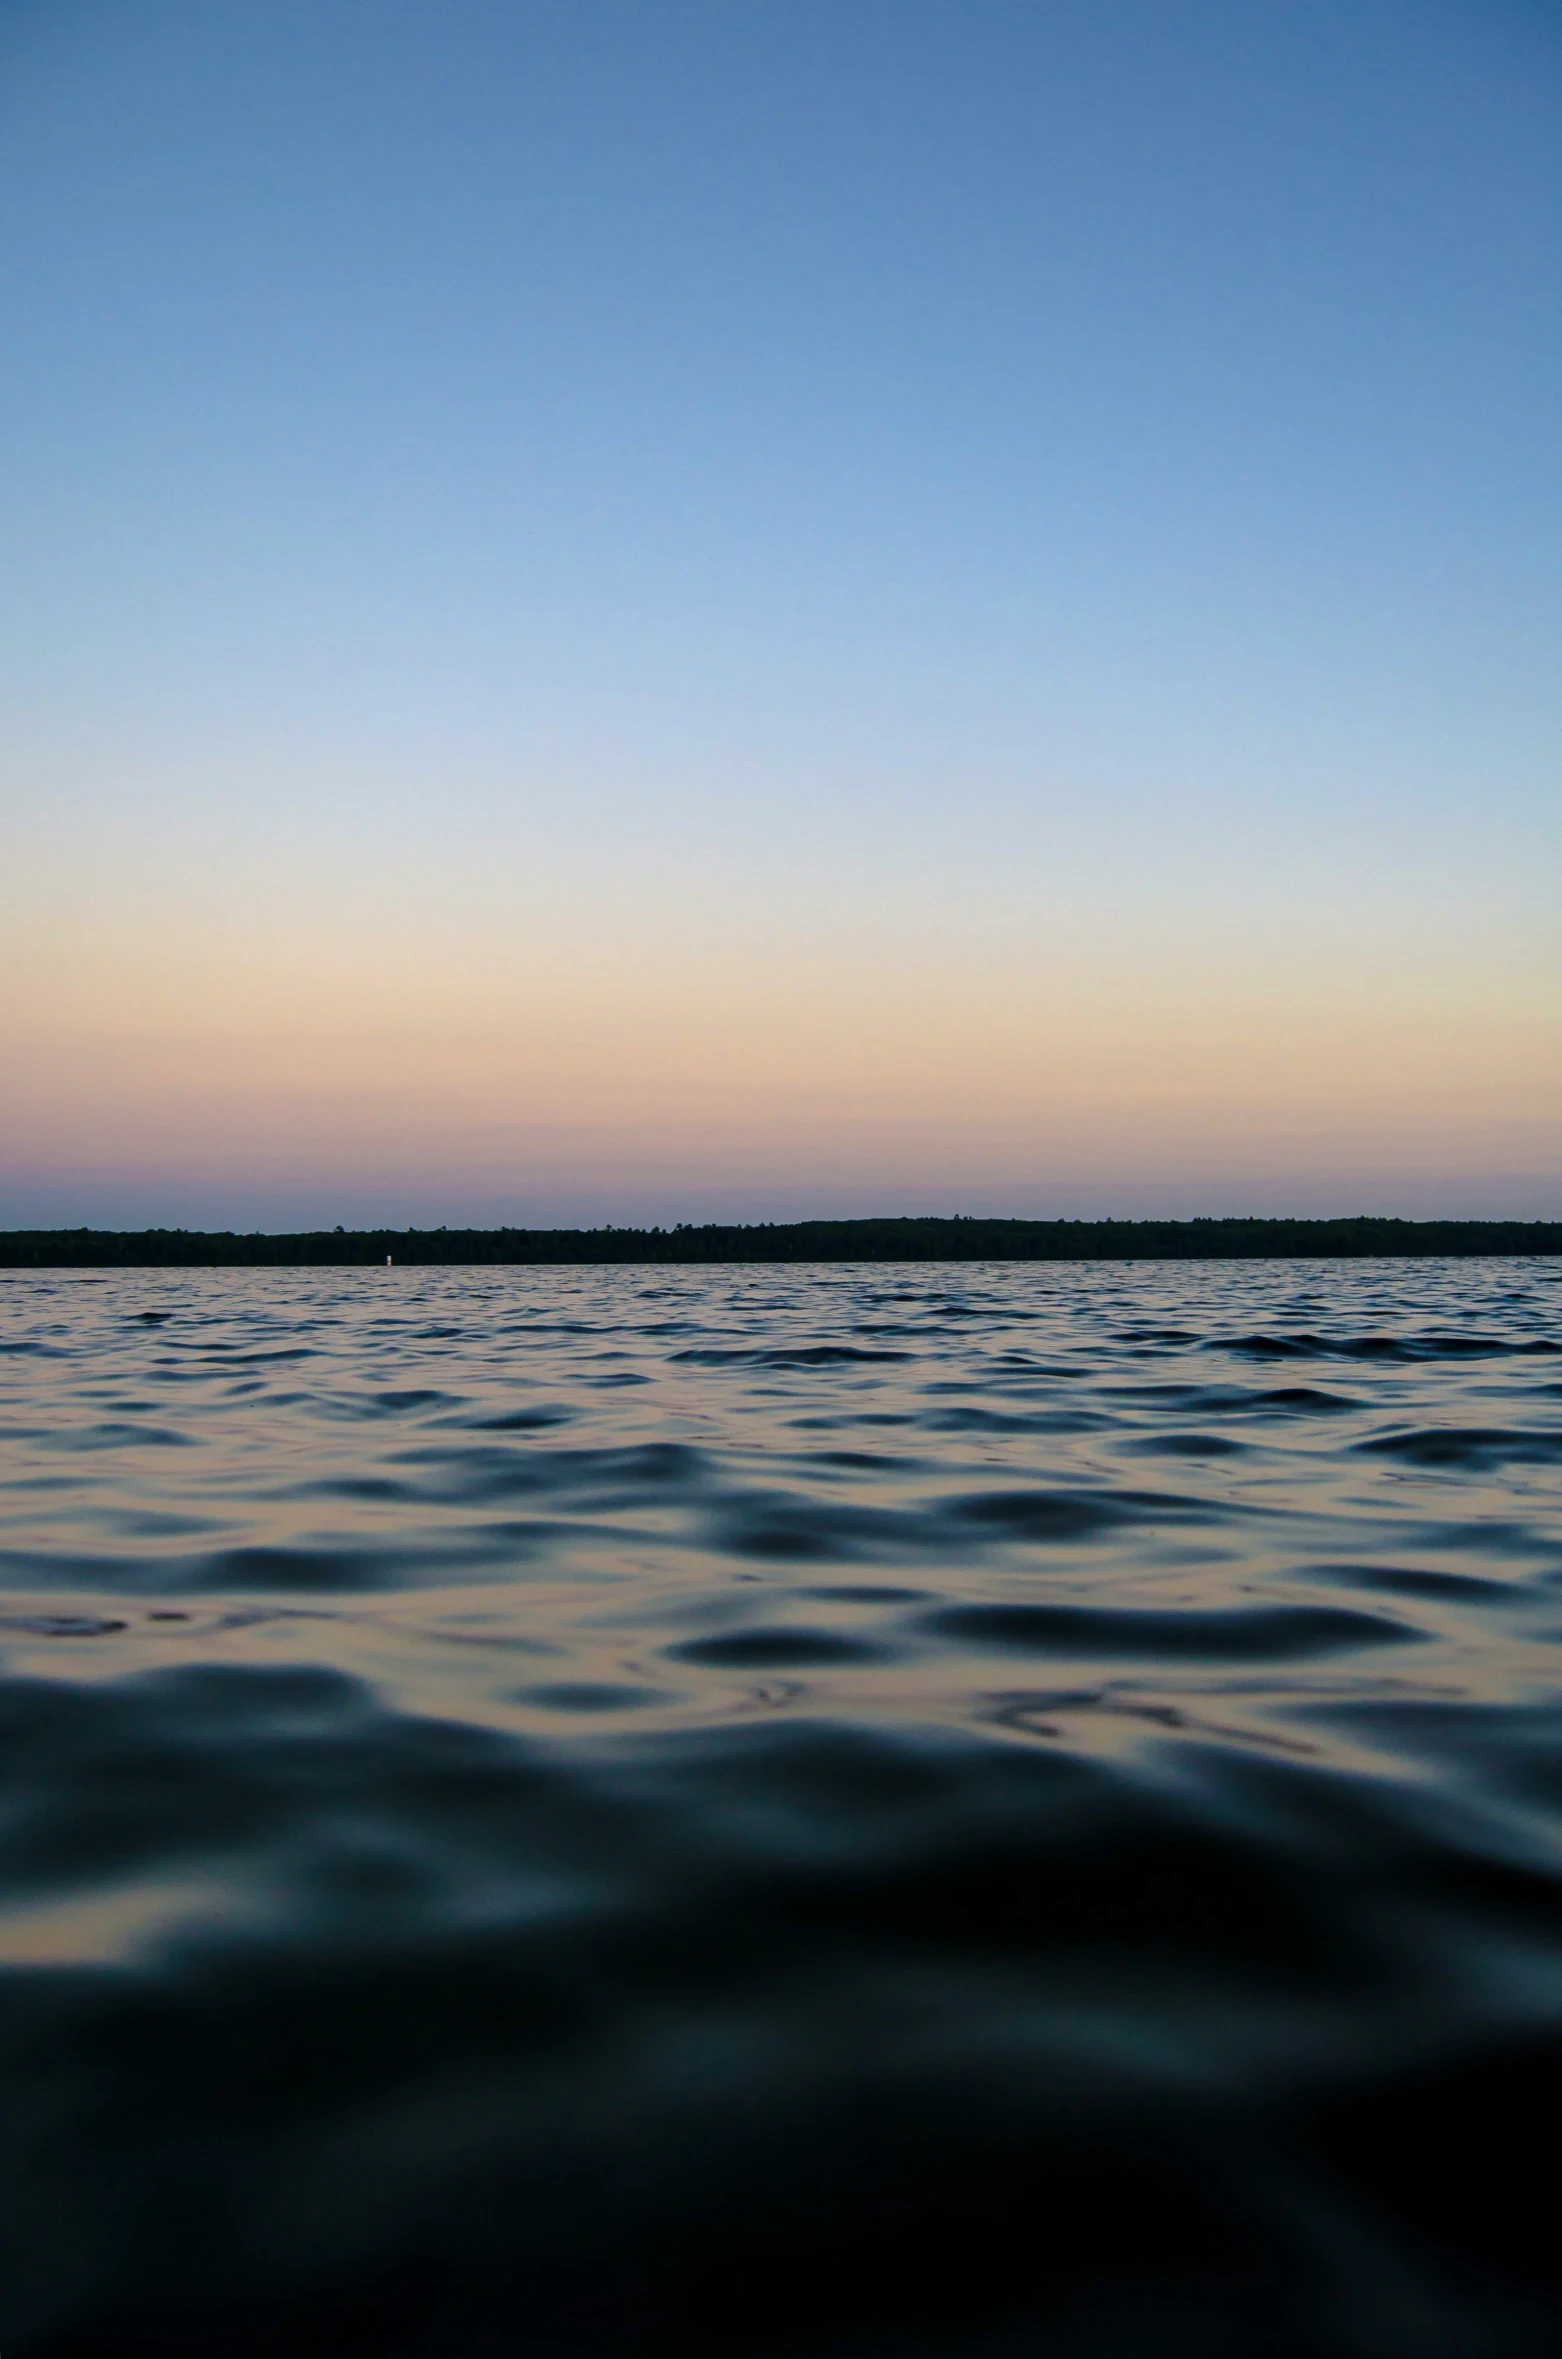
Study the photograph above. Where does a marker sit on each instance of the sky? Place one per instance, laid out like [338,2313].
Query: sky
[642,610]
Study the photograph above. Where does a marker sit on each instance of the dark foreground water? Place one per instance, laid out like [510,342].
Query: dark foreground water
[909,1811]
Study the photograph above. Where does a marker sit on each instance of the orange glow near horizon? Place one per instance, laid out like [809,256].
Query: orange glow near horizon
[645,1074]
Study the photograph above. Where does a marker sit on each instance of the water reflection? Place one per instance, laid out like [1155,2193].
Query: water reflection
[901,1811]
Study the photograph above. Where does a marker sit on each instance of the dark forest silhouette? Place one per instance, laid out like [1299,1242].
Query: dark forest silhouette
[959,1239]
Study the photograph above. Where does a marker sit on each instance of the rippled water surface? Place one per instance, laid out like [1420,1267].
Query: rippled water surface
[905,1809]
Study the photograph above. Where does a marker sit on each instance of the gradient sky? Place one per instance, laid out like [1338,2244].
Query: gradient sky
[655,609]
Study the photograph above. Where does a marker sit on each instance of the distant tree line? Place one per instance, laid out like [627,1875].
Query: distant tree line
[959,1239]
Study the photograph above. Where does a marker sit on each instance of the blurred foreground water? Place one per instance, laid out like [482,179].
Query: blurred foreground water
[874,1812]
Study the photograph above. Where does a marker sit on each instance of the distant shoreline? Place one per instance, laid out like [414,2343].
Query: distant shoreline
[911,1239]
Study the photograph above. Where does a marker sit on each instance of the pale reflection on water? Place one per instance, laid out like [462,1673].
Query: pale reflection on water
[1100,1719]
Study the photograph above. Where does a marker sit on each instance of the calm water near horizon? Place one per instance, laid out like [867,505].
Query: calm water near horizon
[895,1811]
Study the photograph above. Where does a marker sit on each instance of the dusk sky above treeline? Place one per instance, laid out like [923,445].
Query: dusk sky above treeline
[655,610]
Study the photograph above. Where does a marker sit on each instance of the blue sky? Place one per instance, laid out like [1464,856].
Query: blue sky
[624,611]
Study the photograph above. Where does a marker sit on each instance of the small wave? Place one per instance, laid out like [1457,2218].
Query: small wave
[1066,1515]
[874,1462]
[1467,1447]
[62,1625]
[480,1475]
[776,1649]
[343,1567]
[536,1420]
[1407,1348]
[863,1593]
[1304,1400]
[1040,1421]
[791,1526]
[118,1435]
[1417,1581]
[1271,1347]
[1187,1445]
[590,1696]
[814,1355]
[1234,1400]
[1274,1633]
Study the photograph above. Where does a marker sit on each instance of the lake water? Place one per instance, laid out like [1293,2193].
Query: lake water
[874,1812]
